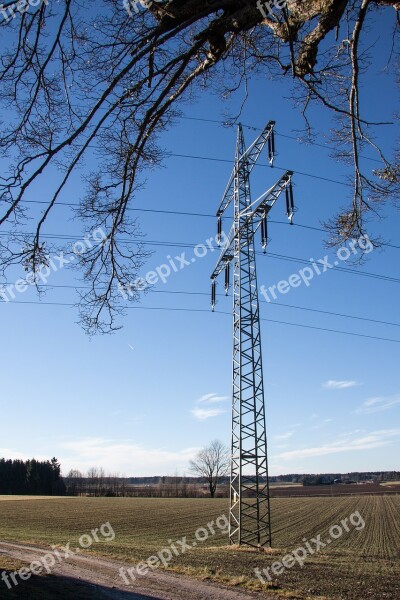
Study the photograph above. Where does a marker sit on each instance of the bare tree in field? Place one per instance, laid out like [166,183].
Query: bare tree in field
[212,463]
[82,79]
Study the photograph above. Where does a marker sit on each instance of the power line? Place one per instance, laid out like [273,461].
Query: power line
[280,304]
[195,214]
[326,312]
[228,123]
[202,310]
[320,229]
[263,165]
[333,267]
[191,246]
[284,169]
[131,209]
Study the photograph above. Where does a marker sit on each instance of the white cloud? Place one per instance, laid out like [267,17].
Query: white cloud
[321,425]
[123,457]
[11,454]
[8,453]
[373,439]
[284,436]
[289,433]
[332,384]
[212,399]
[206,413]
[350,433]
[378,404]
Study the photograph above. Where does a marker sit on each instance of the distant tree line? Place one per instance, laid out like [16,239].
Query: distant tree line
[330,478]
[211,464]
[96,482]
[31,477]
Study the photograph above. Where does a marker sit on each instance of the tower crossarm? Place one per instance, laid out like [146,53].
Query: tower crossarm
[261,207]
[254,214]
[251,156]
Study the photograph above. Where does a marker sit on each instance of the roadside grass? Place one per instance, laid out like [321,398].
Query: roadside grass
[45,587]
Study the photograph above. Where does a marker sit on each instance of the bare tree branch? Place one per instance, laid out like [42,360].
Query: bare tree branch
[105,82]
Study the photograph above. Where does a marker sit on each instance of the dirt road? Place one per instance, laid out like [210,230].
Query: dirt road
[103,574]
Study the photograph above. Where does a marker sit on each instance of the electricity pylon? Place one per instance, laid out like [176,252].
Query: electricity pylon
[249,521]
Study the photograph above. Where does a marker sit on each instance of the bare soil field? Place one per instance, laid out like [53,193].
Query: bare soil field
[362,563]
[357,489]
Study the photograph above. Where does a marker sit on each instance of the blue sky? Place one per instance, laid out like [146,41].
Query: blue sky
[143,401]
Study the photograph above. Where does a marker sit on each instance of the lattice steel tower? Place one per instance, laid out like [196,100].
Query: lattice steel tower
[249,487]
